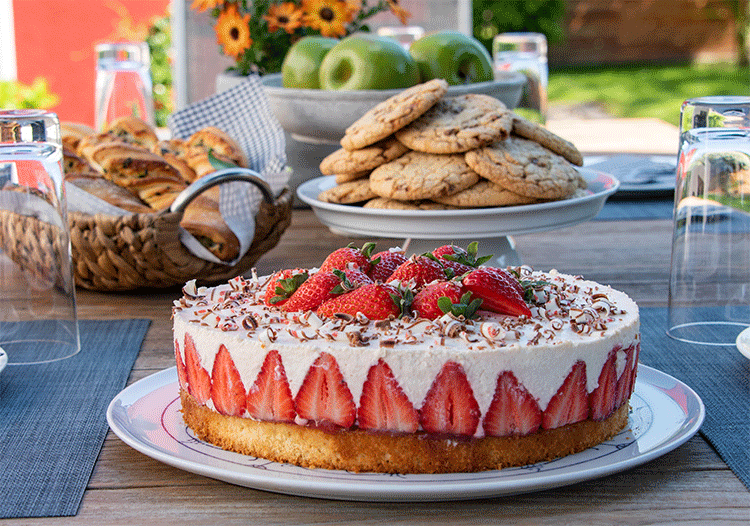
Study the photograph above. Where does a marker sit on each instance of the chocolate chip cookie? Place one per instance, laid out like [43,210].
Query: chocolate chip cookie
[458,124]
[393,114]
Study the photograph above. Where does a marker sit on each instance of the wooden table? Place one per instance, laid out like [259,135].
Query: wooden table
[689,485]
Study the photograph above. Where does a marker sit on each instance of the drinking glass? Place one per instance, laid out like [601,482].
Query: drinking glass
[38,322]
[123,82]
[527,53]
[709,287]
[405,35]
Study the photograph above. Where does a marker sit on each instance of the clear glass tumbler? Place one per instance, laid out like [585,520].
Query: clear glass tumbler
[38,322]
[709,287]
[527,53]
[123,82]
[405,35]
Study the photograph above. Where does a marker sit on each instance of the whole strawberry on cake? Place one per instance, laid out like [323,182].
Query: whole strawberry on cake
[433,363]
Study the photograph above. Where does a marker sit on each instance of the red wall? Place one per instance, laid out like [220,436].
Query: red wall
[55,39]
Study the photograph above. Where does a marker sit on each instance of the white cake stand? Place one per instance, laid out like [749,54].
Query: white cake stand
[492,227]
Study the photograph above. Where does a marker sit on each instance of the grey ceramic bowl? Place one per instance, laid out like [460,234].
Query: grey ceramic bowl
[324,115]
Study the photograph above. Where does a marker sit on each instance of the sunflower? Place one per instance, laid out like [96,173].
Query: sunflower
[232,32]
[204,5]
[286,16]
[327,16]
[401,13]
[354,7]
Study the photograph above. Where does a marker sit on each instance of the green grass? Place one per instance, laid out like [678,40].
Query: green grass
[645,90]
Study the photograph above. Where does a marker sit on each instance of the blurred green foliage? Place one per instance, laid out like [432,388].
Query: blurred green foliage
[645,90]
[159,41]
[15,95]
[492,17]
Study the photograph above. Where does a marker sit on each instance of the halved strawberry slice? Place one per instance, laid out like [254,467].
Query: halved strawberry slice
[513,411]
[603,399]
[199,381]
[283,284]
[181,370]
[419,269]
[342,257]
[497,293]
[377,301]
[227,390]
[270,397]
[570,403]
[626,381]
[318,288]
[385,262]
[383,405]
[509,278]
[324,397]
[450,406]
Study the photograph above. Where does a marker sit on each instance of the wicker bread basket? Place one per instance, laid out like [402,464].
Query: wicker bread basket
[144,250]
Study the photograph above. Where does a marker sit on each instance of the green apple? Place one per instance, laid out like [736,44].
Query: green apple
[453,56]
[302,62]
[366,61]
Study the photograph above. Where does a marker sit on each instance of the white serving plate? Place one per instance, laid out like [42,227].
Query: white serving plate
[664,414]
[474,223]
[743,342]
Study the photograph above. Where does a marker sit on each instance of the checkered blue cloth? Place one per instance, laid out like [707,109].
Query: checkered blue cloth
[242,112]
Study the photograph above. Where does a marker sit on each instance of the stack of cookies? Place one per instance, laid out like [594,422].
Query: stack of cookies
[420,150]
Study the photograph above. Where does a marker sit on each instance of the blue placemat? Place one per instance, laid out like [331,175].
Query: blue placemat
[720,376]
[616,210]
[53,419]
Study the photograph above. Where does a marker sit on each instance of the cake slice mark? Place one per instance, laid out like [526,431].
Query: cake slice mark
[199,381]
[270,397]
[324,396]
[383,405]
[227,389]
[571,402]
[450,406]
[513,410]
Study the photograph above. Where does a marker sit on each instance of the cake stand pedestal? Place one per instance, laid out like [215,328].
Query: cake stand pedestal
[424,230]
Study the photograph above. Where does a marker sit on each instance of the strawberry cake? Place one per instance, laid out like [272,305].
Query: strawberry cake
[430,364]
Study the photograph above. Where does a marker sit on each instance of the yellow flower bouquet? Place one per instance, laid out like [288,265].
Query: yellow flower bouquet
[258,33]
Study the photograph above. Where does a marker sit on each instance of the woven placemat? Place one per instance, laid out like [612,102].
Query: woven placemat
[632,209]
[721,377]
[53,419]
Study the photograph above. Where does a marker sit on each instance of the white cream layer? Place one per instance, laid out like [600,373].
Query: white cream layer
[572,320]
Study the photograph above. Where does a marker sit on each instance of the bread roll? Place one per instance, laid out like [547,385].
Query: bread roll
[220,143]
[109,192]
[71,133]
[134,131]
[203,219]
[145,174]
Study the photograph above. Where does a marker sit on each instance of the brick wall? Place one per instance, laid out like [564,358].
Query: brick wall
[621,31]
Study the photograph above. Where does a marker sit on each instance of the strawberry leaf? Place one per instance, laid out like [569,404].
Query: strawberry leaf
[466,307]
[286,287]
